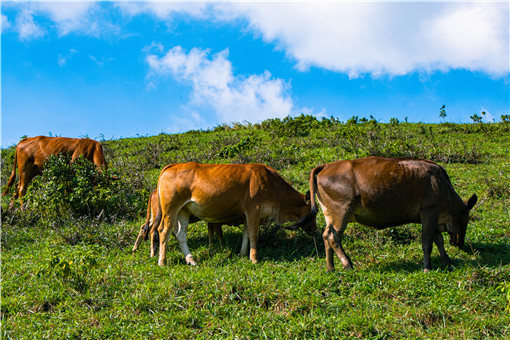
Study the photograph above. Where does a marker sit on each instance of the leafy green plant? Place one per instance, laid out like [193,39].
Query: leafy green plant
[505,288]
[442,113]
[79,189]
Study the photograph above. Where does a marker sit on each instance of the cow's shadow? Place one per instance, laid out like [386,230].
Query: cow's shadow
[489,255]
[274,243]
[277,244]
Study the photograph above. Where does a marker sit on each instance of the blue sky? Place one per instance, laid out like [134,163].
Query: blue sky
[126,68]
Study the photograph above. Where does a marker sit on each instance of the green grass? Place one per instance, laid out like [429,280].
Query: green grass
[76,277]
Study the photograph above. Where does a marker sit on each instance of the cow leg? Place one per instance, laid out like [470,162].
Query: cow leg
[169,223]
[244,246]
[219,232]
[333,235]
[438,240]
[330,262]
[154,225]
[252,224]
[143,231]
[154,241]
[428,232]
[25,177]
[180,235]
[210,232]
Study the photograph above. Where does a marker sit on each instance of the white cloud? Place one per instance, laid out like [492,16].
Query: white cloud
[356,38]
[26,27]
[86,18]
[70,17]
[385,38]
[63,59]
[164,10]
[5,23]
[215,87]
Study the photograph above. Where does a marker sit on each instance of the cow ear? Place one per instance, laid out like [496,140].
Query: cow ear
[307,196]
[472,201]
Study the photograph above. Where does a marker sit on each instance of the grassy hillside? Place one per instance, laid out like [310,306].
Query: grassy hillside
[68,272]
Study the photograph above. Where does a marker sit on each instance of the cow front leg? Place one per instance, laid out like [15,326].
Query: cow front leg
[251,230]
[439,241]
[428,232]
[244,245]
[181,236]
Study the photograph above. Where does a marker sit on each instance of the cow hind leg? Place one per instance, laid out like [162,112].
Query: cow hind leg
[330,262]
[219,232]
[169,223]
[141,235]
[333,235]
[215,229]
[154,241]
[25,177]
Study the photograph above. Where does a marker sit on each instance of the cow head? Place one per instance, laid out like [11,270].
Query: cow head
[301,215]
[458,224]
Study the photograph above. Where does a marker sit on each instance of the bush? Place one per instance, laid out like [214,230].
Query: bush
[79,189]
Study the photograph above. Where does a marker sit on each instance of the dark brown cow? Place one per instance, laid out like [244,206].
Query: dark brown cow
[384,192]
[219,193]
[31,153]
[154,219]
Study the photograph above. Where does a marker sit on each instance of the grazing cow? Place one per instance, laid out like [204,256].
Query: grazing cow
[154,219]
[31,153]
[219,193]
[385,192]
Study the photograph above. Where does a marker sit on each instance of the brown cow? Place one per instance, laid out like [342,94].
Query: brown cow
[31,153]
[154,219]
[219,193]
[384,192]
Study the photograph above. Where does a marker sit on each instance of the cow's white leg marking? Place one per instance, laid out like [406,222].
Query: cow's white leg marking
[180,235]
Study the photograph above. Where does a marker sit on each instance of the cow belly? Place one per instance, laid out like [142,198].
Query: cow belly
[212,214]
[382,219]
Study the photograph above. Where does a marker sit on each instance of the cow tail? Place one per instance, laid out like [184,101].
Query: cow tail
[13,174]
[307,219]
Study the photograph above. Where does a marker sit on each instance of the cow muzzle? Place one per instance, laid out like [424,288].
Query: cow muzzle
[457,240]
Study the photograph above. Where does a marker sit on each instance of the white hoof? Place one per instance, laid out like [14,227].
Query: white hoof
[190,261]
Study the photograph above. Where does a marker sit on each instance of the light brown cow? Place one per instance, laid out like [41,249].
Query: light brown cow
[219,193]
[384,192]
[154,219]
[31,154]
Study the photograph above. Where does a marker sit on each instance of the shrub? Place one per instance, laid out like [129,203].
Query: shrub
[80,190]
